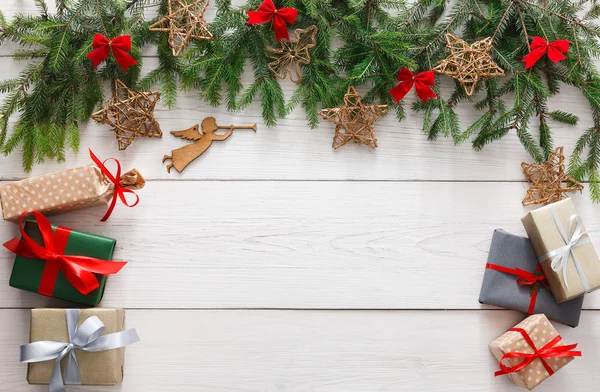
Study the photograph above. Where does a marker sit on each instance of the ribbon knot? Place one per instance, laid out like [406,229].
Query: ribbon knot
[78,270]
[423,82]
[548,351]
[267,12]
[119,190]
[574,238]
[556,51]
[118,46]
[86,337]
[524,278]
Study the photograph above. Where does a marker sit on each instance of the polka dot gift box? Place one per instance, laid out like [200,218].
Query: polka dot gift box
[70,189]
[531,352]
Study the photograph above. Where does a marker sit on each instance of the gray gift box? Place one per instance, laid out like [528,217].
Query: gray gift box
[501,288]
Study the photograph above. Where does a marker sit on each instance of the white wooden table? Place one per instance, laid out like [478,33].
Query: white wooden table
[277,264]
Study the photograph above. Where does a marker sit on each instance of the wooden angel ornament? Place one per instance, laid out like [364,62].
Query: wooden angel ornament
[183,156]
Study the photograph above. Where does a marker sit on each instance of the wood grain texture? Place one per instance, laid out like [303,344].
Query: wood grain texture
[278,220]
[320,351]
[265,244]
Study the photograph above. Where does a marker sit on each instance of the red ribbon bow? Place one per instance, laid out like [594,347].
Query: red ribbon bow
[102,47]
[119,191]
[548,351]
[422,81]
[79,270]
[267,11]
[524,278]
[556,51]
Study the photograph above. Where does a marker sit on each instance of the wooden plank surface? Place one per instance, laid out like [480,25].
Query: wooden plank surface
[320,351]
[282,244]
[270,264]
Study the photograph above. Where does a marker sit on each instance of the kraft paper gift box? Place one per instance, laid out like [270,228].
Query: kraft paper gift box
[65,190]
[44,277]
[517,359]
[96,368]
[564,250]
[513,279]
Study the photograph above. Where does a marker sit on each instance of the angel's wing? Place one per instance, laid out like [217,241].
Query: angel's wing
[189,134]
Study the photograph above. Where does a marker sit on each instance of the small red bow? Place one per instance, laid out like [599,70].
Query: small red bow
[102,47]
[119,190]
[422,81]
[548,351]
[524,278]
[79,270]
[267,11]
[556,51]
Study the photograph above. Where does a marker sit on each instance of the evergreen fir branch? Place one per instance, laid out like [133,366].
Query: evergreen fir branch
[564,117]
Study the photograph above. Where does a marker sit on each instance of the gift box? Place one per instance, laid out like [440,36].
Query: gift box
[92,340]
[62,263]
[513,279]
[564,250]
[531,352]
[68,190]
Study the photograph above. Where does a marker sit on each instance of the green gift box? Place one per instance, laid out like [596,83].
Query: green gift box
[27,272]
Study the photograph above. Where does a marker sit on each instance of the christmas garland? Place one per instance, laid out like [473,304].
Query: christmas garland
[517,53]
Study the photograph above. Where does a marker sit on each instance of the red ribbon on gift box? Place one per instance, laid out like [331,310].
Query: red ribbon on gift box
[525,278]
[548,351]
[120,190]
[79,270]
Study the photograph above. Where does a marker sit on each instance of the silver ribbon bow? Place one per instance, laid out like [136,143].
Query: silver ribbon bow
[86,337]
[560,256]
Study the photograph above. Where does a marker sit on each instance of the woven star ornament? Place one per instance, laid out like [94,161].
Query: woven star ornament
[548,182]
[291,55]
[131,114]
[354,121]
[184,21]
[469,64]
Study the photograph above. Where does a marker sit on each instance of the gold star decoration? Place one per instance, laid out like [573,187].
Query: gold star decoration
[547,180]
[131,114]
[292,54]
[469,64]
[183,22]
[354,121]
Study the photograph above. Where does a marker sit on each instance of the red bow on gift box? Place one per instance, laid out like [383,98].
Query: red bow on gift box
[267,11]
[120,190]
[422,81]
[119,46]
[525,278]
[540,46]
[548,351]
[79,270]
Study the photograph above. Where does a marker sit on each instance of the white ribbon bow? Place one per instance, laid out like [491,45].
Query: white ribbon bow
[560,256]
[86,337]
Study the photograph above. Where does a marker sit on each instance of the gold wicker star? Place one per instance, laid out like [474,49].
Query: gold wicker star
[131,114]
[469,64]
[354,121]
[292,54]
[547,180]
[183,22]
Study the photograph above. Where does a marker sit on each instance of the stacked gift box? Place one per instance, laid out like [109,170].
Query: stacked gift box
[546,276]
[69,346]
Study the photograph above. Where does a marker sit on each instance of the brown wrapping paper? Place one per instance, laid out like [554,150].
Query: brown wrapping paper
[99,368]
[62,191]
[541,332]
[545,237]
